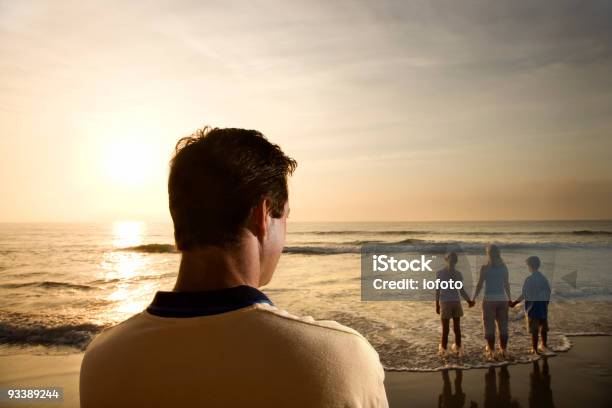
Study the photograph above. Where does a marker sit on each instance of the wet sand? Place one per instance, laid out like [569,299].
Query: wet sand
[580,377]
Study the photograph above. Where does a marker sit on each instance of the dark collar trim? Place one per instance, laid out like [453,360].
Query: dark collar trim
[205,303]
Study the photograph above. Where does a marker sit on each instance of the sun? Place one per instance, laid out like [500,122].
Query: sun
[128,162]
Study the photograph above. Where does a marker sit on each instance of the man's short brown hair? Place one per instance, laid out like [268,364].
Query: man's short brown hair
[217,176]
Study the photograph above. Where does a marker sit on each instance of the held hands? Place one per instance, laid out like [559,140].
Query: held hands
[471,303]
[511,303]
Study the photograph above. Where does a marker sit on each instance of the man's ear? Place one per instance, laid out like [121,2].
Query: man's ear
[258,221]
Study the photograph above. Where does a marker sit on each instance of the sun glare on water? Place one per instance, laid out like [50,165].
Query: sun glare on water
[127,233]
[129,296]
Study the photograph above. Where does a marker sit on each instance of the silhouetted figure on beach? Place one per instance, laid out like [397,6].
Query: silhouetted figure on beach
[536,293]
[494,277]
[448,305]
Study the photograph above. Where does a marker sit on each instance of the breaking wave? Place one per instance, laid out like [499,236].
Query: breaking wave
[151,248]
[46,285]
[432,247]
[429,232]
[23,329]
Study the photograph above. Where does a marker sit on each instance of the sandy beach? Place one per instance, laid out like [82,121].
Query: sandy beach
[24,371]
[580,377]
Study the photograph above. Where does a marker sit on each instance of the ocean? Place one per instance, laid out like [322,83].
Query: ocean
[61,284]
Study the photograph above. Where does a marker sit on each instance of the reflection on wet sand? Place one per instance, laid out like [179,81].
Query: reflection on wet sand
[540,393]
[497,389]
[448,399]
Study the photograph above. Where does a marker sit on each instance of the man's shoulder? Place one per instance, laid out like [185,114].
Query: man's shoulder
[325,336]
[307,322]
[269,318]
[267,324]
[320,354]
[350,349]
[111,332]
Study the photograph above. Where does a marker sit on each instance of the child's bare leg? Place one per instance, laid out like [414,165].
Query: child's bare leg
[503,341]
[544,334]
[534,340]
[445,330]
[457,330]
[491,343]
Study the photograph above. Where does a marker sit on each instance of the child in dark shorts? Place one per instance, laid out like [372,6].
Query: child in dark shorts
[536,293]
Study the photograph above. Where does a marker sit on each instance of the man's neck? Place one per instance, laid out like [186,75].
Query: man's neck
[213,268]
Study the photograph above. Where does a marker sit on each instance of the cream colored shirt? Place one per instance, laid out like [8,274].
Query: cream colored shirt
[257,356]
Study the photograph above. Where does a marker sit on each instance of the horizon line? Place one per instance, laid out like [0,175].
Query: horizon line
[127,219]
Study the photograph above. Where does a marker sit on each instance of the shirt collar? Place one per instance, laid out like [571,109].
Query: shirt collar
[205,303]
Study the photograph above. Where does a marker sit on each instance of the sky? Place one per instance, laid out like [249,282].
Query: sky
[394,110]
